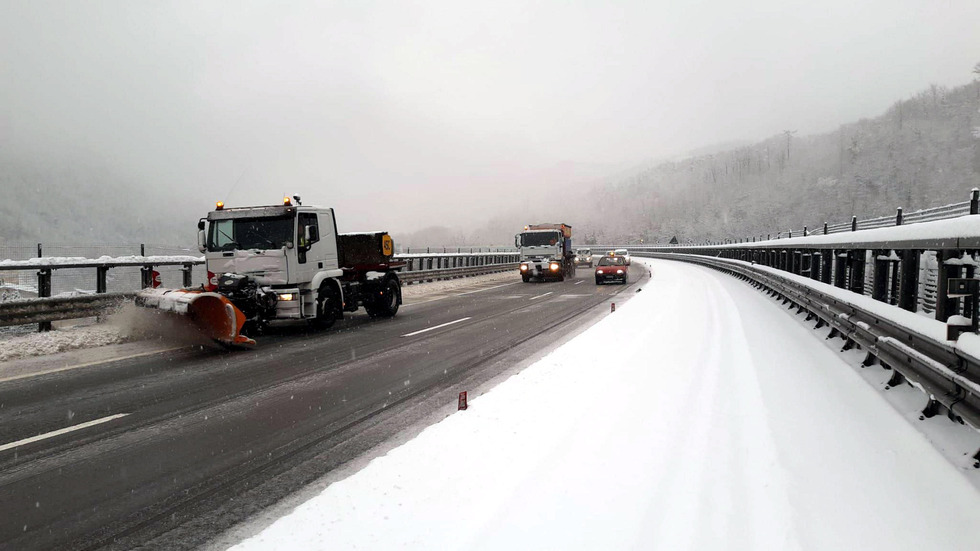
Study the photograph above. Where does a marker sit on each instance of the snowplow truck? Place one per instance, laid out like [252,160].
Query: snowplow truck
[282,262]
[546,252]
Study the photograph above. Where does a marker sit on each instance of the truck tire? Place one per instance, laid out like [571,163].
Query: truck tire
[525,278]
[385,299]
[327,307]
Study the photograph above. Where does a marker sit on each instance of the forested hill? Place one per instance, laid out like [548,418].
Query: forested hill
[80,203]
[924,151]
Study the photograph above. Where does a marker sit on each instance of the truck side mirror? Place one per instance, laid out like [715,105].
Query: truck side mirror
[201,243]
[517,241]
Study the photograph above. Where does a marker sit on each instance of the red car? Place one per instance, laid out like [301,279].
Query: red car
[612,268]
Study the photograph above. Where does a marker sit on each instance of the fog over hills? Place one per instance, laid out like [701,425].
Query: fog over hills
[923,152]
[463,121]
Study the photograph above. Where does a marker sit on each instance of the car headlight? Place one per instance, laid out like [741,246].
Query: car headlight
[600,272]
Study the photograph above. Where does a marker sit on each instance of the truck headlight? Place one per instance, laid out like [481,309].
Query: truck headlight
[523,267]
[554,267]
[286,296]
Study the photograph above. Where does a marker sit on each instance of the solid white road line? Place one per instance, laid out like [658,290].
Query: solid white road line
[579,282]
[61,431]
[436,327]
[539,296]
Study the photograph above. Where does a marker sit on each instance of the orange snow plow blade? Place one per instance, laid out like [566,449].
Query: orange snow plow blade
[212,313]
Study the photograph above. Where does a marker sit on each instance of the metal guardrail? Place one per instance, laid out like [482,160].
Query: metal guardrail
[950,376]
[452,273]
[21,312]
[44,309]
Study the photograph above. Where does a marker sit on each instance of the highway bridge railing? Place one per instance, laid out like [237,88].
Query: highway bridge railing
[885,289]
[83,303]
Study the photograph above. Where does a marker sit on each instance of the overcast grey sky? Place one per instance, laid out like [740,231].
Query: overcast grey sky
[434,109]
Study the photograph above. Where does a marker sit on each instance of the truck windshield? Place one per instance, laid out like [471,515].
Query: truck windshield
[250,233]
[540,239]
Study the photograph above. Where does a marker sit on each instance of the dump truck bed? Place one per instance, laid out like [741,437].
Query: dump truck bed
[366,250]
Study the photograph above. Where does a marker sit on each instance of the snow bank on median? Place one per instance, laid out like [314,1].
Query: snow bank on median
[61,340]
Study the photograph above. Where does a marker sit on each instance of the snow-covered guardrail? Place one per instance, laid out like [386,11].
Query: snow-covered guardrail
[417,276]
[20,312]
[885,289]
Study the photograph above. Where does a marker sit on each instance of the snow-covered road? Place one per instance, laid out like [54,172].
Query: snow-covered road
[700,415]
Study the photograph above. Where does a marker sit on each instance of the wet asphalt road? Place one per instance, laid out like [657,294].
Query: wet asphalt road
[192,427]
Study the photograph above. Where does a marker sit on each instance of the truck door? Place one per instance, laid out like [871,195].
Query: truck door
[320,252]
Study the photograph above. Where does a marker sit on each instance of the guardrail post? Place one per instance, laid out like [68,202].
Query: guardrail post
[100,279]
[188,275]
[894,268]
[840,269]
[945,306]
[909,290]
[880,289]
[854,223]
[827,270]
[142,249]
[39,250]
[43,291]
[974,203]
[825,228]
[816,262]
[805,232]
[146,277]
[856,259]
[969,290]
[898,216]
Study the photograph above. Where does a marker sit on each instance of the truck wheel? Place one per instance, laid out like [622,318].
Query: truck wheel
[525,277]
[384,303]
[327,306]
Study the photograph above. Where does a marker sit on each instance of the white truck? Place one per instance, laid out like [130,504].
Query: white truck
[546,252]
[282,262]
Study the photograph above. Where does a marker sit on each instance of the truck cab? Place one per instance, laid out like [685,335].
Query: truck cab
[289,262]
[546,252]
[583,257]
